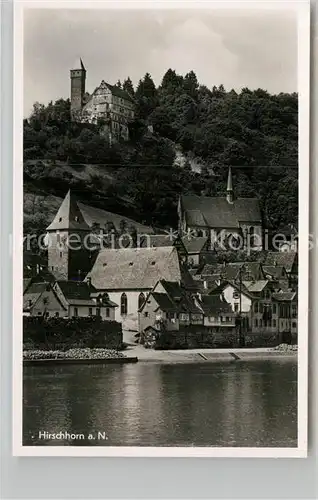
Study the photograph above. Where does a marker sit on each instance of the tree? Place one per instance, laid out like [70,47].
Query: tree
[128,86]
[147,96]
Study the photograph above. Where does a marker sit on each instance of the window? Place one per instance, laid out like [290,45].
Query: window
[260,322]
[75,312]
[236,295]
[146,314]
[227,319]
[274,323]
[97,311]
[58,237]
[261,308]
[184,317]
[39,314]
[61,255]
[256,307]
[211,318]
[141,300]
[107,312]
[60,219]
[294,324]
[123,304]
[256,322]
[57,314]
[274,308]
[90,311]
[236,307]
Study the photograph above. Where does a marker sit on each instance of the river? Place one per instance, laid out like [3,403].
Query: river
[155,404]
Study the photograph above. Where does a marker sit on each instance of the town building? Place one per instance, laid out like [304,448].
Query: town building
[67,299]
[196,250]
[108,104]
[168,305]
[230,221]
[40,299]
[129,274]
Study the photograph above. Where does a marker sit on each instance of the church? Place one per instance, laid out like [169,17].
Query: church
[126,275]
[108,104]
[226,218]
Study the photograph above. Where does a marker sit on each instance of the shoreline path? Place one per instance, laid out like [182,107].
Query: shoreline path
[200,355]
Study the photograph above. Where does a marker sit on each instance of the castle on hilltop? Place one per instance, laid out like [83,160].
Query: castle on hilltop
[108,104]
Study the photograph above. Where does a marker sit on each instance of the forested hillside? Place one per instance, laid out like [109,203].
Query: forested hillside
[254,132]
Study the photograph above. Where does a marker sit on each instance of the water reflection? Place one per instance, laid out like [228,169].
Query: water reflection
[150,404]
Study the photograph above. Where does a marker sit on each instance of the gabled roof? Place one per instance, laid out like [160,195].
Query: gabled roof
[176,298]
[103,217]
[285,259]
[284,296]
[164,302]
[216,212]
[33,294]
[137,268]
[275,271]
[76,290]
[118,92]
[194,245]
[158,240]
[255,286]
[69,216]
[213,304]
[240,288]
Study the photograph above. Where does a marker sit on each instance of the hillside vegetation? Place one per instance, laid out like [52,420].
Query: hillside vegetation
[254,132]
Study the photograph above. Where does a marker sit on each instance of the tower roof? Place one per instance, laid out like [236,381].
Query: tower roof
[78,64]
[69,216]
[229,181]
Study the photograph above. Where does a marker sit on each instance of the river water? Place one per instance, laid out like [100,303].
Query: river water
[155,404]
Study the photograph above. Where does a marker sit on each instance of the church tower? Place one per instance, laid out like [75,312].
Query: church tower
[69,255]
[78,77]
[229,189]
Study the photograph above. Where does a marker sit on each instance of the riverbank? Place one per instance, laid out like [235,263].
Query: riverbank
[210,355]
[75,356]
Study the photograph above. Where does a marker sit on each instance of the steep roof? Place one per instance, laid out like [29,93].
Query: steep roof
[33,293]
[175,299]
[275,271]
[255,286]
[97,215]
[69,216]
[285,259]
[213,304]
[136,268]
[194,244]
[74,290]
[216,212]
[284,296]
[157,240]
[115,90]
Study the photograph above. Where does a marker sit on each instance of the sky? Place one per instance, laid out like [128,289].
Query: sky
[236,48]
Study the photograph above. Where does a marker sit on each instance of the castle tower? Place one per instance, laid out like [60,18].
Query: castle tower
[229,189]
[78,77]
[69,255]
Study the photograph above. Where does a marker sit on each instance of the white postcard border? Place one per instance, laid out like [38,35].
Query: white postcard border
[303,11]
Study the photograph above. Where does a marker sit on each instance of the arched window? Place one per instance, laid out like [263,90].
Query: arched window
[123,304]
[141,300]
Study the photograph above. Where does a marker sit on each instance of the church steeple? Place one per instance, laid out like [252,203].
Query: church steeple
[229,189]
